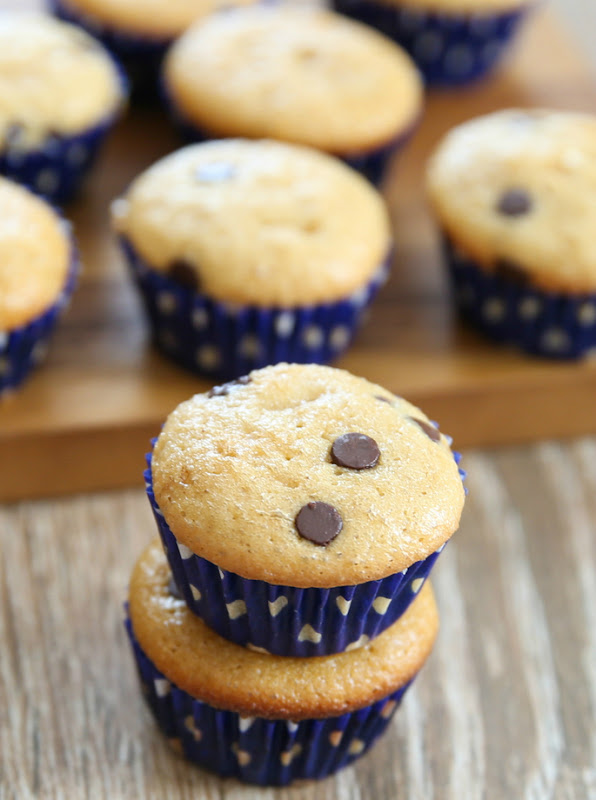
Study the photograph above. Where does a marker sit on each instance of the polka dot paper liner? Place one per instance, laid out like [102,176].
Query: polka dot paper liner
[449,49]
[253,749]
[372,164]
[284,620]
[56,168]
[22,349]
[512,312]
[224,341]
[140,56]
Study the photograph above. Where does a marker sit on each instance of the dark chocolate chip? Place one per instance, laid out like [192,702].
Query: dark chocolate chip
[184,273]
[355,451]
[428,429]
[225,388]
[174,590]
[514,202]
[318,522]
[510,271]
[216,172]
[383,399]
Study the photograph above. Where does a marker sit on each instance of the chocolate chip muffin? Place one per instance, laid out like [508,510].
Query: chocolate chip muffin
[37,274]
[453,42]
[300,75]
[260,718]
[60,93]
[301,507]
[515,195]
[252,252]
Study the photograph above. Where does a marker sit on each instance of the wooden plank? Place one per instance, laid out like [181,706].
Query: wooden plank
[504,709]
[103,383]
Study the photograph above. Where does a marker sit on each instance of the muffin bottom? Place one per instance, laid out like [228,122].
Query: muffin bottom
[255,750]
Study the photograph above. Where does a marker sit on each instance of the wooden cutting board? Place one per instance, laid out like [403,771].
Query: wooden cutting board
[84,419]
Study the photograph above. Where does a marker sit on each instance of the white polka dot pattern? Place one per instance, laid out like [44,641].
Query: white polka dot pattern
[236,609]
[343,604]
[276,606]
[162,687]
[184,551]
[284,324]
[363,640]
[313,337]
[309,634]
[381,604]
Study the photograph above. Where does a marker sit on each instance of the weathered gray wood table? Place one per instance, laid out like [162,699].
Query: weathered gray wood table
[505,708]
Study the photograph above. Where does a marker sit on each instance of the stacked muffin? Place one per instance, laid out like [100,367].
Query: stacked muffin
[300,509]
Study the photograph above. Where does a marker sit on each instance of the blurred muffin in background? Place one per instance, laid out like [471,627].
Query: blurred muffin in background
[38,268]
[138,32]
[60,93]
[252,252]
[305,76]
[453,42]
[515,196]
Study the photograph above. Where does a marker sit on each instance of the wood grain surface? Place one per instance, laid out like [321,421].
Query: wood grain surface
[104,392]
[505,709]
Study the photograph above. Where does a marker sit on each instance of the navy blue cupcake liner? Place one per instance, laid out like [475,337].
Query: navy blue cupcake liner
[372,164]
[225,341]
[542,323]
[253,749]
[141,56]
[56,168]
[449,49]
[284,620]
[25,347]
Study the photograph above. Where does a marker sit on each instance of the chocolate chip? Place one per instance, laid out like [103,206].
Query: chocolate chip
[225,388]
[428,429]
[510,271]
[216,172]
[383,399]
[514,203]
[318,522]
[355,451]
[174,590]
[184,273]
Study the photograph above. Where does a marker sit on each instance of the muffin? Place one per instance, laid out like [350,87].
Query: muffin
[38,267]
[265,719]
[453,42]
[305,76]
[252,252]
[60,93]
[138,32]
[515,196]
[301,508]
